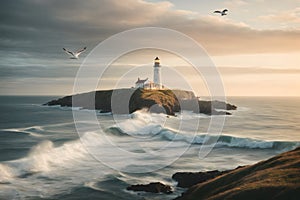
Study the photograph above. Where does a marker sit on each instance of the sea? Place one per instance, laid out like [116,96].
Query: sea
[46,154]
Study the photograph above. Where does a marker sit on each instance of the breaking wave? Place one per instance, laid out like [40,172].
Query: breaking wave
[146,124]
[231,141]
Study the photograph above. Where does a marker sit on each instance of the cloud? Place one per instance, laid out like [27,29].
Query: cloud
[37,71]
[42,27]
[221,36]
[231,71]
[235,3]
[36,86]
[289,16]
[33,33]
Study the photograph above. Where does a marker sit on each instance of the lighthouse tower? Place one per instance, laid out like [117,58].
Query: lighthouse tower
[156,74]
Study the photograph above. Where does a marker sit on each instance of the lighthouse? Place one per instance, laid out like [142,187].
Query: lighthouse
[156,74]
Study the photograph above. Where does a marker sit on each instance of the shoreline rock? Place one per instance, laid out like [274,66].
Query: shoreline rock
[277,178]
[154,187]
[188,179]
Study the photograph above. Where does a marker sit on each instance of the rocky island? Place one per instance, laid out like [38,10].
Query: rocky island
[129,100]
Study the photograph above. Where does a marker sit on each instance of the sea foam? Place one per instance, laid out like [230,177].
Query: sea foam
[146,124]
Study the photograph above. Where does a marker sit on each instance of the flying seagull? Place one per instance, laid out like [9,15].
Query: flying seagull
[222,12]
[74,55]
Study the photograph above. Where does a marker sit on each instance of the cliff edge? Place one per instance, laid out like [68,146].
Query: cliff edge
[277,178]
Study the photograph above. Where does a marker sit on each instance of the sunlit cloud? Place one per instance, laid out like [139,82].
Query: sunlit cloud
[33,33]
[94,21]
[235,3]
[288,16]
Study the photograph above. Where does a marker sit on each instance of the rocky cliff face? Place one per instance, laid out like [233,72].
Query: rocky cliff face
[125,101]
[276,178]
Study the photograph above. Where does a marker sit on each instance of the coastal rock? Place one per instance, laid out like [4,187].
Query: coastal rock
[126,101]
[188,179]
[277,178]
[208,107]
[222,105]
[155,187]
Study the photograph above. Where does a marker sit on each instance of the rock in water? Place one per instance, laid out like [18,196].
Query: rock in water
[155,187]
[188,179]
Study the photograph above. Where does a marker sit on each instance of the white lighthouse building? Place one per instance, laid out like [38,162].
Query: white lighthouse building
[156,74]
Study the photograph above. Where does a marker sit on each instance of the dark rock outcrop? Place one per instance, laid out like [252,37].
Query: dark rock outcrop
[125,101]
[188,179]
[277,178]
[155,187]
[208,107]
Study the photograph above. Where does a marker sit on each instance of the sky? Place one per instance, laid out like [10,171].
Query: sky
[256,47]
